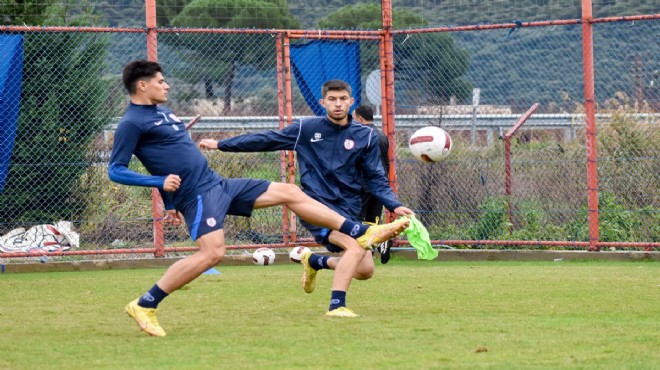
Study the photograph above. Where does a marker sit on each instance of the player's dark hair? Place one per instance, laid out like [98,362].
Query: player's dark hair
[335,85]
[365,112]
[139,70]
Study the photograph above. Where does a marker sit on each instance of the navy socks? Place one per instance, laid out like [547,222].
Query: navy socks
[318,262]
[152,298]
[353,229]
[337,299]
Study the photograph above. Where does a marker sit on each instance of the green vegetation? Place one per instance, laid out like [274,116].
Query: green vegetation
[463,195]
[66,103]
[224,54]
[517,69]
[309,13]
[414,315]
[118,212]
[367,16]
[62,110]
[478,11]
[443,63]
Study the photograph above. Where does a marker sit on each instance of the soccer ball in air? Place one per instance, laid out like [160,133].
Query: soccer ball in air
[430,144]
[296,253]
[263,257]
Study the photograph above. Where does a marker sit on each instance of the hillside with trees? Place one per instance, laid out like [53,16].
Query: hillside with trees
[436,12]
[510,68]
[462,12]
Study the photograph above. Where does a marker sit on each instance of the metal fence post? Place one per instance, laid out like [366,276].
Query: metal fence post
[156,201]
[590,110]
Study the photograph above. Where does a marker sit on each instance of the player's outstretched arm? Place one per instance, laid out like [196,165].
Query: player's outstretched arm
[263,141]
[208,144]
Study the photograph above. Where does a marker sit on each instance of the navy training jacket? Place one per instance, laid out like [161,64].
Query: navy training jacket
[334,160]
[159,140]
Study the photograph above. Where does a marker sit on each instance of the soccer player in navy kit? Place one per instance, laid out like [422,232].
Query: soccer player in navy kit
[336,156]
[192,191]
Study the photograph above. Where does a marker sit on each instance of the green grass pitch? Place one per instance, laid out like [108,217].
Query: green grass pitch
[414,315]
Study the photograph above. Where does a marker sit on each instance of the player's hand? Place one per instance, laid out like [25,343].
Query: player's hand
[208,144]
[173,217]
[172,183]
[403,211]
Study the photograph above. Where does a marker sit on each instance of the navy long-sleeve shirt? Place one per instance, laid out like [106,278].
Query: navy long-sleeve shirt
[160,141]
[333,160]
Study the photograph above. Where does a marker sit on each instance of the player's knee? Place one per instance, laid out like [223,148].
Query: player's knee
[293,192]
[364,274]
[284,193]
[218,255]
[357,253]
[215,255]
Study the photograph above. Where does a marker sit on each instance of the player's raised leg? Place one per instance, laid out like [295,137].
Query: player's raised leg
[317,213]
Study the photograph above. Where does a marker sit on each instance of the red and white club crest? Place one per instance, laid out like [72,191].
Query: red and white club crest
[210,221]
[349,144]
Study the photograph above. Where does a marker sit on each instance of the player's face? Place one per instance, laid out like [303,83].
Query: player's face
[155,89]
[336,104]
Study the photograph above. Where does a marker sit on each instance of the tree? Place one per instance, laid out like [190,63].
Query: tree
[23,12]
[232,50]
[122,13]
[432,61]
[166,10]
[368,17]
[63,108]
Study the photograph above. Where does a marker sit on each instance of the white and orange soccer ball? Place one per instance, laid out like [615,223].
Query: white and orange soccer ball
[430,144]
[296,253]
[263,257]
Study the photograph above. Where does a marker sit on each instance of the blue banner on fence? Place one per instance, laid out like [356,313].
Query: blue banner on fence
[315,62]
[11,73]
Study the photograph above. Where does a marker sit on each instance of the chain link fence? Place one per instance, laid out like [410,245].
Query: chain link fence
[463,197]
[72,97]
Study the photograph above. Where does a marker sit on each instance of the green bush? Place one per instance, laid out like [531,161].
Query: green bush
[493,221]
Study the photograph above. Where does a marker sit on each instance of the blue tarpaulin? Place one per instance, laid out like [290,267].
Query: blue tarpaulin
[11,72]
[315,62]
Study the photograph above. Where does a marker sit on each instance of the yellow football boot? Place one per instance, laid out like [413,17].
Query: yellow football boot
[145,318]
[341,312]
[309,274]
[377,234]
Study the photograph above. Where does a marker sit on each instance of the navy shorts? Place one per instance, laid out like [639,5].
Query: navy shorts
[321,234]
[230,197]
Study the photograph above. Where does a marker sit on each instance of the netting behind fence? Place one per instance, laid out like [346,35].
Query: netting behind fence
[72,97]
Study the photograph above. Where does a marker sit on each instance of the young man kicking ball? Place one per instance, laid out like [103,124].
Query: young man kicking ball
[192,192]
